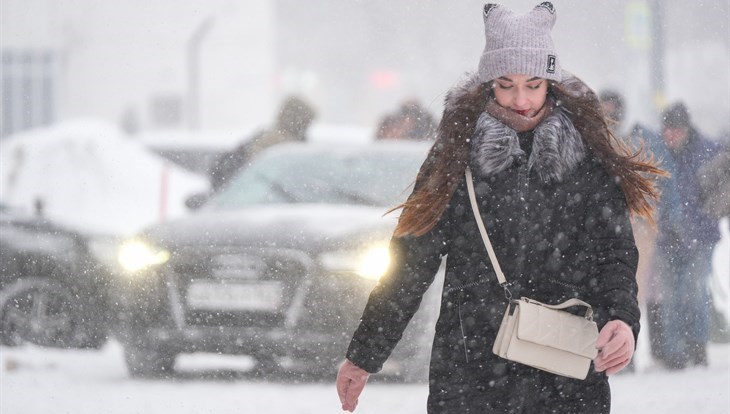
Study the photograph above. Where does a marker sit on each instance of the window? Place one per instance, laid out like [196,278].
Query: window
[28,90]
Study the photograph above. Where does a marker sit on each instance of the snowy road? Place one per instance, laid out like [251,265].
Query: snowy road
[42,381]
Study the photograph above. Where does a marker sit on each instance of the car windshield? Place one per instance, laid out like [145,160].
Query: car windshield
[376,175]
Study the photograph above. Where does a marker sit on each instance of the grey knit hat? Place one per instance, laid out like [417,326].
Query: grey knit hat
[519,43]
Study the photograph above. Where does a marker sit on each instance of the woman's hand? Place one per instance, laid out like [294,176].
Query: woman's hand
[615,347]
[351,380]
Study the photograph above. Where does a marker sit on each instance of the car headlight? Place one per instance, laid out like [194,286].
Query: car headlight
[136,255]
[369,263]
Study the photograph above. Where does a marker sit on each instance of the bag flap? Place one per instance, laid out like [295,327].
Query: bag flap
[556,329]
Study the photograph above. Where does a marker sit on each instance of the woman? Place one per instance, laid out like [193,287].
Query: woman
[555,189]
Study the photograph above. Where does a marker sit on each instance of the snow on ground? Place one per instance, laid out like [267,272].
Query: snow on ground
[40,381]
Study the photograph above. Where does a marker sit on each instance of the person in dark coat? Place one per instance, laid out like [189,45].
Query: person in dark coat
[687,236]
[715,185]
[645,233]
[555,190]
[411,121]
[292,121]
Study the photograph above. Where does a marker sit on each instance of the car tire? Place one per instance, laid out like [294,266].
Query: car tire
[148,362]
[93,340]
[719,326]
[305,369]
[39,311]
[96,327]
[324,368]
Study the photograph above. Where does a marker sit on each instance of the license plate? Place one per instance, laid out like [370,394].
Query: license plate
[260,296]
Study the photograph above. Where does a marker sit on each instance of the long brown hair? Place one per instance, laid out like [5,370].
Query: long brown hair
[634,169]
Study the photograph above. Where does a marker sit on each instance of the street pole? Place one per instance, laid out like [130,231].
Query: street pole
[657,56]
[193,58]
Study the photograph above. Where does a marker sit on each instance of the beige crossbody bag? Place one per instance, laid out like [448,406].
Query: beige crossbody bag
[536,334]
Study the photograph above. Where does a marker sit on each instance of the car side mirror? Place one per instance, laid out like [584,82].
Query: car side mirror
[196,201]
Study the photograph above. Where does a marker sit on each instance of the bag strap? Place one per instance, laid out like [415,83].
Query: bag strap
[483,232]
[495,263]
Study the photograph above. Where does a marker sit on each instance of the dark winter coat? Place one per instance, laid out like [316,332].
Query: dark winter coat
[715,185]
[693,227]
[560,228]
[292,122]
[670,207]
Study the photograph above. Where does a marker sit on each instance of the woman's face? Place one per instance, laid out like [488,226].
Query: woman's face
[523,94]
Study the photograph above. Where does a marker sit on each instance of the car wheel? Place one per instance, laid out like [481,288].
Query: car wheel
[148,362]
[93,340]
[96,327]
[719,326]
[325,368]
[299,369]
[38,311]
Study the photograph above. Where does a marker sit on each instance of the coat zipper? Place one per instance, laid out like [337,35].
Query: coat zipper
[523,183]
[568,285]
[468,285]
[463,334]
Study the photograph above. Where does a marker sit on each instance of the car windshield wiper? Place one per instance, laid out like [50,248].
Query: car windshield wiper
[355,197]
[278,188]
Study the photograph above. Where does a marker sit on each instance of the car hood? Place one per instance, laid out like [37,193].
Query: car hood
[299,226]
[32,234]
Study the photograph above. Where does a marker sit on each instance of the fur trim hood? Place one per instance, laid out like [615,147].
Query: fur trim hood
[557,145]
[556,150]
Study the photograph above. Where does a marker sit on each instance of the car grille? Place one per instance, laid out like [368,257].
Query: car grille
[252,288]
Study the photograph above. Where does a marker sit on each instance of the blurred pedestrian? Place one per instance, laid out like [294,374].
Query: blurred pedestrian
[645,232]
[390,126]
[685,241]
[555,189]
[637,135]
[612,104]
[293,119]
[411,121]
[715,185]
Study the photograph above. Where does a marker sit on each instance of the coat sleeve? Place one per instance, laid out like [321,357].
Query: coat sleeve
[397,296]
[613,285]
